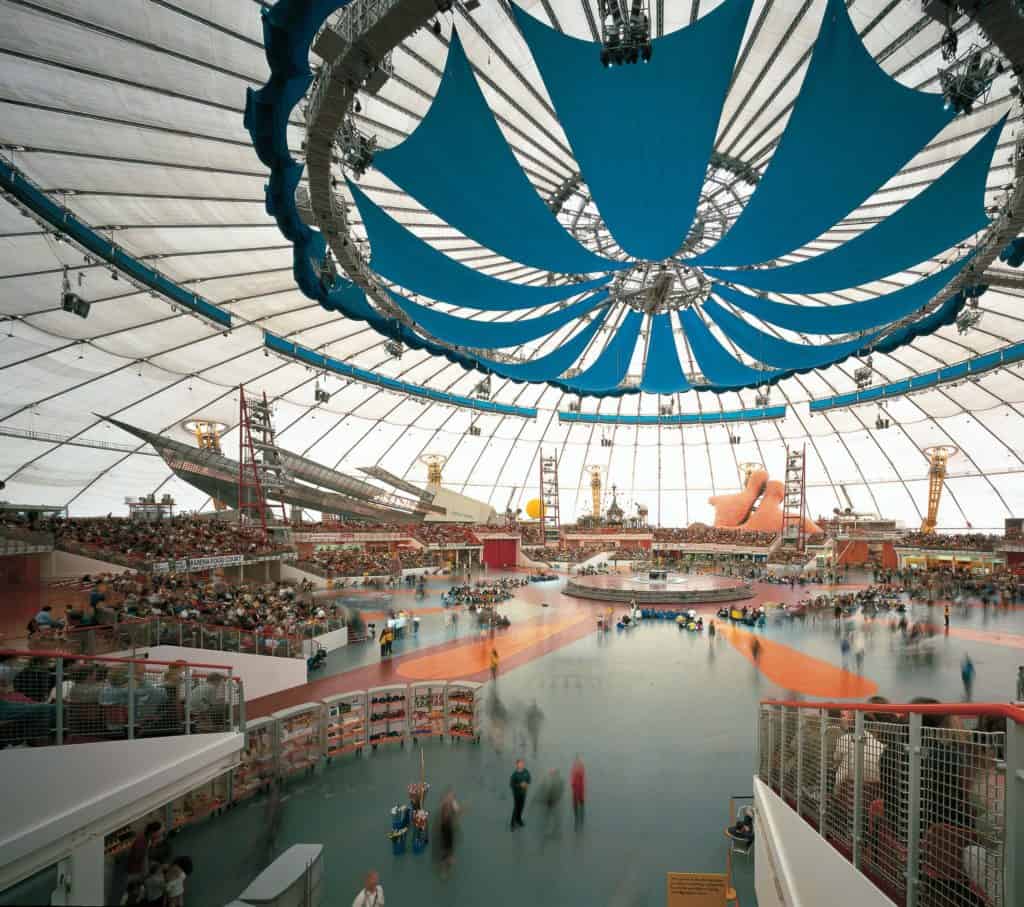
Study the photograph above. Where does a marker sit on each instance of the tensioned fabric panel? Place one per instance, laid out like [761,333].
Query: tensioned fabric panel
[550,366]
[611,366]
[400,256]
[842,319]
[465,331]
[643,134]
[663,373]
[828,164]
[718,365]
[773,350]
[943,214]
[456,154]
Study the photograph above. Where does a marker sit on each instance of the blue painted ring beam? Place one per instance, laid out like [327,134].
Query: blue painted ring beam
[456,154]
[825,166]
[308,356]
[64,222]
[978,365]
[946,212]
[400,256]
[711,418]
[643,134]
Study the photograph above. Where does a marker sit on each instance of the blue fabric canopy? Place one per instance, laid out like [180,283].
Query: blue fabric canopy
[401,256]
[774,351]
[465,331]
[551,365]
[843,319]
[457,154]
[943,214]
[853,127]
[643,134]
[716,363]
[611,366]
[663,373]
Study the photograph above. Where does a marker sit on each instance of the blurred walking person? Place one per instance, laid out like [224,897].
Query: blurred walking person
[449,817]
[534,720]
[554,787]
[494,664]
[578,783]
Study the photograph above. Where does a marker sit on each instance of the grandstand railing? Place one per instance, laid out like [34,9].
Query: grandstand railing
[52,698]
[933,815]
[141,632]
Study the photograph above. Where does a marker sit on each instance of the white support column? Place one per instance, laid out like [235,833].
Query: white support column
[80,876]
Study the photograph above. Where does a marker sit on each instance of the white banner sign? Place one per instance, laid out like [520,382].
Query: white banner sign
[327,537]
[200,564]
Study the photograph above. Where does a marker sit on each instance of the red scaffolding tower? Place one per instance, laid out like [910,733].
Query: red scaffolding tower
[549,499]
[259,466]
[794,501]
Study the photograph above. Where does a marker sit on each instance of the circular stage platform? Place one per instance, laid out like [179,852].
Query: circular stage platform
[671,590]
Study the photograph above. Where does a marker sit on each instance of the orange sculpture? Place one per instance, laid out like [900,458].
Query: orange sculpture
[743,511]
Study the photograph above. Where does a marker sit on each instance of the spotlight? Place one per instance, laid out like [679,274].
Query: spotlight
[435,27]
[394,348]
[625,41]
[72,302]
[948,44]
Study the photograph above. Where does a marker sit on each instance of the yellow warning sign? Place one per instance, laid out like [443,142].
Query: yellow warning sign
[696,889]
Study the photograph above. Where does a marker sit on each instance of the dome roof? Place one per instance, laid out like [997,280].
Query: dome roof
[129,117]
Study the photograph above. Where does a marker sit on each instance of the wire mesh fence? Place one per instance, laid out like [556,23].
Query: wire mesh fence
[57,698]
[917,800]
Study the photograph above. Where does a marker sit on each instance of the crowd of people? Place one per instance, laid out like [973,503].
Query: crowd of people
[267,609]
[136,542]
[355,562]
[972,541]
[699,534]
[484,593]
[565,554]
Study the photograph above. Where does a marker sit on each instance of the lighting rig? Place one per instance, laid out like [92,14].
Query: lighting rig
[968,317]
[356,150]
[575,405]
[763,398]
[734,439]
[606,442]
[72,302]
[320,395]
[473,430]
[882,421]
[394,348]
[666,409]
[863,375]
[968,80]
[625,39]
[483,390]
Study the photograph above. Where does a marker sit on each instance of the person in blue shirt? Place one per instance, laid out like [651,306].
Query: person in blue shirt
[45,620]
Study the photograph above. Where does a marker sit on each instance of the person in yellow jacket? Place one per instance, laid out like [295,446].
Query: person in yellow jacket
[494,664]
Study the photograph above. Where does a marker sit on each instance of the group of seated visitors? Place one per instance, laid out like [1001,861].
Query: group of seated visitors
[267,610]
[94,696]
[484,593]
[567,554]
[699,534]
[961,794]
[968,541]
[446,534]
[135,542]
[938,583]
[345,562]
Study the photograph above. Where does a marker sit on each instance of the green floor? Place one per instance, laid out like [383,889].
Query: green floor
[665,726]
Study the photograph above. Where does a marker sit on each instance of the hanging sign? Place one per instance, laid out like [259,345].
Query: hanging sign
[696,889]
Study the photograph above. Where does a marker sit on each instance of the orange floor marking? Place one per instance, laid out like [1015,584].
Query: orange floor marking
[991,637]
[791,669]
[471,659]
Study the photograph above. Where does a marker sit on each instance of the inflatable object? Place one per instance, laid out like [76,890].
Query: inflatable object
[535,508]
[756,508]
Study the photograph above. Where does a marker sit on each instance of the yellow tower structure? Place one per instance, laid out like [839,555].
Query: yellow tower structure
[595,491]
[434,463]
[208,434]
[938,458]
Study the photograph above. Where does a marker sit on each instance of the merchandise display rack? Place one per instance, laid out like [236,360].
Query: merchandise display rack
[258,764]
[428,708]
[300,738]
[206,800]
[345,723]
[462,710]
[388,709]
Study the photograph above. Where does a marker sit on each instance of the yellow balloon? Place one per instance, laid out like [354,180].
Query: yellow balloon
[535,509]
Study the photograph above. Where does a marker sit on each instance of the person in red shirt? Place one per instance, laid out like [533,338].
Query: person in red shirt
[578,783]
